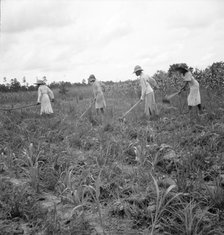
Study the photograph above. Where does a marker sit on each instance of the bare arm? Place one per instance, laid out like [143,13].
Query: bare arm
[143,88]
[184,87]
[39,95]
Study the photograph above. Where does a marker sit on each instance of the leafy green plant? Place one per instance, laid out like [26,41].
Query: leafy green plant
[31,166]
[216,195]
[17,201]
[96,197]
[163,200]
[189,219]
[66,183]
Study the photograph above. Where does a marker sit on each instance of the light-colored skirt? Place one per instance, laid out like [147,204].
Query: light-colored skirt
[150,104]
[194,97]
[100,101]
[45,105]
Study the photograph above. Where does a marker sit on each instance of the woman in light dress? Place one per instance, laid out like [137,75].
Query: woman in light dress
[45,97]
[147,93]
[194,97]
[98,88]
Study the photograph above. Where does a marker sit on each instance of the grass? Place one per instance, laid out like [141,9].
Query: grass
[111,178]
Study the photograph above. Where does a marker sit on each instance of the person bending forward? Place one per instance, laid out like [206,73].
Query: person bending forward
[194,97]
[147,92]
[100,103]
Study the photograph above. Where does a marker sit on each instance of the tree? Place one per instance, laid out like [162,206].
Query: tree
[62,88]
[15,85]
[174,78]
[3,88]
[212,77]
[24,79]
[162,79]
[198,74]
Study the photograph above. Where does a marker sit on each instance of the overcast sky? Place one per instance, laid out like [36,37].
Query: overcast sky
[71,39]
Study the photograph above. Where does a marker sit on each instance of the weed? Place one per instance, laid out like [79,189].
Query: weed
[163,200]
[31,166]
[216,195]
[189,219]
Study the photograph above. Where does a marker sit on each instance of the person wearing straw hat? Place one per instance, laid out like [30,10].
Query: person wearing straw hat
[194,97]
[147,85]
[44,96]
[98,88]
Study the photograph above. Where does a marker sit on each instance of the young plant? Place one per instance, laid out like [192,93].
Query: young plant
[216,195]
[95,192]
[190,219]
[31,165]
[163,200]
[66,185]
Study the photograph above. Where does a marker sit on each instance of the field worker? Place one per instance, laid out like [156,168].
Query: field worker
[44,96]
[194,97]
[98,87]
[147,84]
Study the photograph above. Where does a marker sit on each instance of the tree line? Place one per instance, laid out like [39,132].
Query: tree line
[15,86]
[211,77]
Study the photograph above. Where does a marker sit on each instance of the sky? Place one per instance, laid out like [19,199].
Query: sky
[67,40]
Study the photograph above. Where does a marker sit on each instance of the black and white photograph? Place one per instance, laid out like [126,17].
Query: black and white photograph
[112,117]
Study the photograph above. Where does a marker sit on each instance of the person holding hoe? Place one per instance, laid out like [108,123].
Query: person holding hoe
[98,88]
[147,93]
[44,96]
[194,97]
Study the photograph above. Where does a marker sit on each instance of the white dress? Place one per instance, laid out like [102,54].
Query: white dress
[98,95]
[147,93]
[194,97]
[44,95]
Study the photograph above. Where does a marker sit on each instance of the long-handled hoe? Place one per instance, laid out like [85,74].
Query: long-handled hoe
[84,113]
[167,98]
[124,115]
[14,108]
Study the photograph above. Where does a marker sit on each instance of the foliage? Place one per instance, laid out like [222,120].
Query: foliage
[17,201]
[84,177]
[63,88]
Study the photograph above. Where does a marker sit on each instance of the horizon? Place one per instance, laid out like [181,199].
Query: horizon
[135,78]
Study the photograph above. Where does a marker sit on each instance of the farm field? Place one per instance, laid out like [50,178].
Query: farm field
[65,175]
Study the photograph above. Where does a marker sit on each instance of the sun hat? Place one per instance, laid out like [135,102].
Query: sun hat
[137,68]
[182,67]
[92,78]
[39,82]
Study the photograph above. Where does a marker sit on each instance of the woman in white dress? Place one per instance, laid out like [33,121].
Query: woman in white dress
[98,87]
[44,96]
[194,97]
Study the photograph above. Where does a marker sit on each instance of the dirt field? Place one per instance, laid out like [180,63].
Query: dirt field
[63,175]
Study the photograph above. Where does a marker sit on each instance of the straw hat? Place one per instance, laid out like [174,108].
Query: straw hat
[182,68]
[137,68]
[92,78]
[39,82]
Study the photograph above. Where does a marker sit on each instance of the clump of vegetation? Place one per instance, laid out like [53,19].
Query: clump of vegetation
[66,175]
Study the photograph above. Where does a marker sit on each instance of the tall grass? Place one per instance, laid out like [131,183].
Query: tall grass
[114,165]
